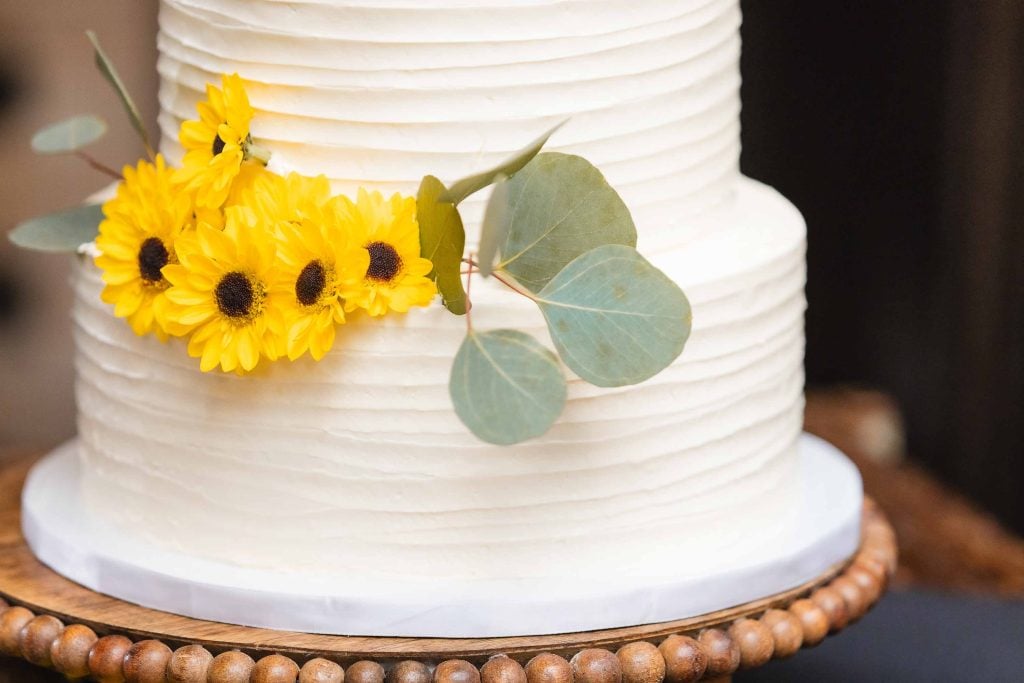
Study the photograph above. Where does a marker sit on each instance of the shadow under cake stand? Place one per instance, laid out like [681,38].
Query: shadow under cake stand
[53,622]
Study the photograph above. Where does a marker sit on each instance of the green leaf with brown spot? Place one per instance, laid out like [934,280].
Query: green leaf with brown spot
[614,318]
[443,241]
[559,206]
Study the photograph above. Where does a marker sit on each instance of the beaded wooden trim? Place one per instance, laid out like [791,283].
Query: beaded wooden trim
[710,647]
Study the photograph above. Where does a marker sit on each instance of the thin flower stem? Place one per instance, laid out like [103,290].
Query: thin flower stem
[102,168]
[503,280]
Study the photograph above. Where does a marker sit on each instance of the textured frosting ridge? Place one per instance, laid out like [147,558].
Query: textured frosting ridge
[357,465]
[387,92]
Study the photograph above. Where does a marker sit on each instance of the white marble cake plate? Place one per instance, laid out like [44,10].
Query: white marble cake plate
[88,551]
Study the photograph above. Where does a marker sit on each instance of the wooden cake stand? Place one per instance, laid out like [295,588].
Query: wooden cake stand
[52,622]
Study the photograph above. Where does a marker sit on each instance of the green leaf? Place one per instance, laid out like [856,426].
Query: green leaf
[493,227]
[106,68]
[64,231]
[560,206]
[461,189]
[506,387]
[615,319]
[69,135]
[442,240]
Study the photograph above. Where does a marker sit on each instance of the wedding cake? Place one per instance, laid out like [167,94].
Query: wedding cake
[355,469]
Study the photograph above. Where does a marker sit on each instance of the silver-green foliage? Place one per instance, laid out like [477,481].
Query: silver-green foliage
[505,386]
[64,231]
[69,135]
[614,318]
[560,206]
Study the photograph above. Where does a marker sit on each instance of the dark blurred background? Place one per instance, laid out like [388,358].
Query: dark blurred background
[897,128]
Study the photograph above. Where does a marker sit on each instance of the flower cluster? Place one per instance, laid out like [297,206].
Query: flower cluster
[245,263]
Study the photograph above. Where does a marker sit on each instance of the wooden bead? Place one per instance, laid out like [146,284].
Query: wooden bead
[832,603]
[641,662]
[320,670]
[595,665]
[873,566]
[275,669]
[107,657]
[869,585]
[787,634]
[13,620]
[755,642]
[189,664]
[409,671]
[685,659]
[456,671]
[146,662]
[365,671]
[852,595]
[70,651]
[723,653]
[37,637]
[231,667]
[502,669]
[548,668]
[813,621]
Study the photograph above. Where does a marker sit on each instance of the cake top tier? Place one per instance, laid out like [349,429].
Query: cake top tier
[379,93]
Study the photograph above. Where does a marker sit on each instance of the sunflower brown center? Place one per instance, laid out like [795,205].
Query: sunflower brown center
[235,295]
[384,262]
[152,257]
[311,283]
[218,145]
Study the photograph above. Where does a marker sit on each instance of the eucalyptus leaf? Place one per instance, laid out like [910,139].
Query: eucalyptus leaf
[106,68]
[560,206]
[506,387]
[442,240]
[463,188]
[615,319]
[69,135]
[493,226]
[64,231]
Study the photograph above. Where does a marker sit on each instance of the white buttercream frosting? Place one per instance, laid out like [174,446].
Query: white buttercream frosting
[357,465]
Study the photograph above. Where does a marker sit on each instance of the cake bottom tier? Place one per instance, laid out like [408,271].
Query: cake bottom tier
[76,543]
[356,468]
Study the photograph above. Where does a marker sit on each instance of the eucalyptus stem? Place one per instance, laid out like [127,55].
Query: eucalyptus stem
[497,276]
[96,165]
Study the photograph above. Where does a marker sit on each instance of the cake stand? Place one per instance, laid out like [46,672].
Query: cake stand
[52,622]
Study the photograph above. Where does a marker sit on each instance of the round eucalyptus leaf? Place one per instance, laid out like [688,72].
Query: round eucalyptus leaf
[560,206]
[615,319]
[442,240]
[69,135]
[506,387]
[64,231]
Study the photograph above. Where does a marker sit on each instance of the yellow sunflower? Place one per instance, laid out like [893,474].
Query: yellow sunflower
[137,239]
[323,267]
[396,277]
[218,144]
[281,200]
[226,292]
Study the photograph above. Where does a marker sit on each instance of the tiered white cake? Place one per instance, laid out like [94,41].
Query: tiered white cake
[357,467]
